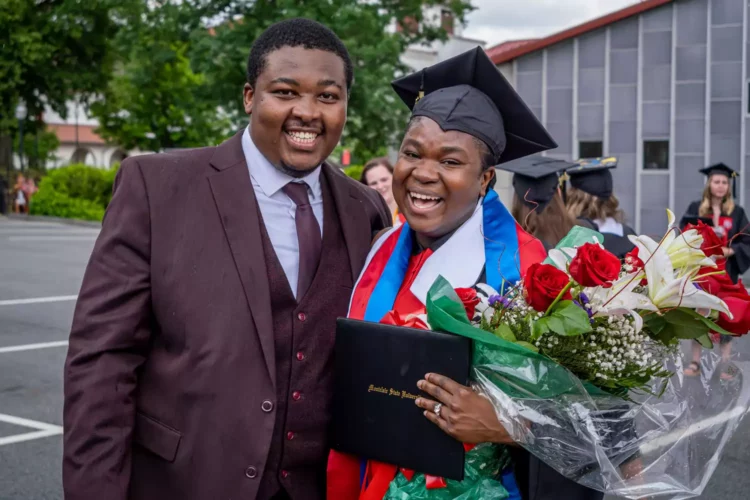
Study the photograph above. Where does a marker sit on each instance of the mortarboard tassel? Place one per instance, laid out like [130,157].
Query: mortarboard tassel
[421,87]
[734,185]
[563,186]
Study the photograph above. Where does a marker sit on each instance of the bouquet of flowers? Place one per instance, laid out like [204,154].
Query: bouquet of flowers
[582,362]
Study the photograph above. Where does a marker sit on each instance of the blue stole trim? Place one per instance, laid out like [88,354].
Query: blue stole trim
[500,248]
[500,243]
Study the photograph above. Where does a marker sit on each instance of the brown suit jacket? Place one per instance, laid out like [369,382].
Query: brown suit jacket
[172,348]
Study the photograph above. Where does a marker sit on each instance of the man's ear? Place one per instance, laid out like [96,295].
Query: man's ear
[488,177]
[248,97]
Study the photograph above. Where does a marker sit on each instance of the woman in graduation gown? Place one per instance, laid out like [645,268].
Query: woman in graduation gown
[466,118]
[591,200]
[718,209]
[538,204]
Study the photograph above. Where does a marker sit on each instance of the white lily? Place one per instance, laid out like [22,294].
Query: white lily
[684,249]
[664,288]
[621,300]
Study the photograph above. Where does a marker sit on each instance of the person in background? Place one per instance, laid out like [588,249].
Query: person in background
[29,189]
[19,204]
[537,202]
[718,209]
[3,195]
[378,174]
[591,200]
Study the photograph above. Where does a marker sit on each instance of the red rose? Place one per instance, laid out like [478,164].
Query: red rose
[542,284]
[594,266]
[739,305]
[717,284]
[711,243]
[635,262]
[470,300]
[632,259]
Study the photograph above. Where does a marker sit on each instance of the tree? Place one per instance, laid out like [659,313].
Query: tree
[376,116]
[52,50]
[155,100]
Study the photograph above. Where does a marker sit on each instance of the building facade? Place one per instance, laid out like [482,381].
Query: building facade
[662,85]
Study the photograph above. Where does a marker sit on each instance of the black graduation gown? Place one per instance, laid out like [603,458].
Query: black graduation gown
[738,236]
[614,243]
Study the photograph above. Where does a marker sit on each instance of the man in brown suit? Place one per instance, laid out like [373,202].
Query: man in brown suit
[200,354]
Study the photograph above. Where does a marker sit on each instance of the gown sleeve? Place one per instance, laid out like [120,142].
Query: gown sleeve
[740,243]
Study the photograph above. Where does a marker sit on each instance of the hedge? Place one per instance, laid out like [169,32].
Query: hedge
[355,171]
[75,192]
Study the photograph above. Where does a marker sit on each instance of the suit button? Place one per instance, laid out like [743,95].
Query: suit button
[251,472]
[267,406]
[296,395]
[300,356]
[284,474]
[290,435]
[302,316]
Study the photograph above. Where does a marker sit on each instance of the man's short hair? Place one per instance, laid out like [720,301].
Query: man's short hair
[297,32]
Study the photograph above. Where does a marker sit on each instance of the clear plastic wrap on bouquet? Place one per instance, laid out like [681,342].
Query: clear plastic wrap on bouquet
[665,445]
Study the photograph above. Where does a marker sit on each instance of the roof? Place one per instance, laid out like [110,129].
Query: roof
[67,134]
[499,51]
[499,55]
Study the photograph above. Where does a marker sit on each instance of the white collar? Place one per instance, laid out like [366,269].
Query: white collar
[459,260]
[269,178]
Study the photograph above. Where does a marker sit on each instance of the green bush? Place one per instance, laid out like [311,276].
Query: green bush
[75,192]
[355,171]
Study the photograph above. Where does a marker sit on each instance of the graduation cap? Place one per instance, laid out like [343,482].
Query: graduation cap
[467,93]
[593,176]
[722,169]
[536,179]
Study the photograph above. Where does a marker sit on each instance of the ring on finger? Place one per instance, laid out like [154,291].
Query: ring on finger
[438,408]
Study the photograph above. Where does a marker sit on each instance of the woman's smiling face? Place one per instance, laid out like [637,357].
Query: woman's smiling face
[438,178]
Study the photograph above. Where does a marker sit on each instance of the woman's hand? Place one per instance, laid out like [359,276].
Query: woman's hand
[728,252]
[464,414]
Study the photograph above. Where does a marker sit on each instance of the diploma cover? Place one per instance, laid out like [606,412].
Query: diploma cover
[376,370]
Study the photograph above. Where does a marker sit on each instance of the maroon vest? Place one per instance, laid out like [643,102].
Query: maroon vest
[304,335]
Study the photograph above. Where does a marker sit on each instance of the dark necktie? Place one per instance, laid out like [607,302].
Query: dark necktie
[308,235]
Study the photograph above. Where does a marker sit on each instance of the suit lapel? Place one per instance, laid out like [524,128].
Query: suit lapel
[353,218]
[236,203]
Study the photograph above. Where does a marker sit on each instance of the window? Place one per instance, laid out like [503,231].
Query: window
[655,155]
[590,149]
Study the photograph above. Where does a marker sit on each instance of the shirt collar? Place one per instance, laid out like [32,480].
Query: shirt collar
[269,178]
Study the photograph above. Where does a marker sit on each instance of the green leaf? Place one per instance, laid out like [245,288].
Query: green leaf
[528,346]
[504,332]
[569,320]
[676,324]
[556,325]
[709,323]
[539,328]
[705,341]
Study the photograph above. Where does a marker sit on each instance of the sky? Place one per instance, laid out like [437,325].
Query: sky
[496,21]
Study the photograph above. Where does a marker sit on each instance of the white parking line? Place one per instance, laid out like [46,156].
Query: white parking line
[38,300]
[42,429]
[31,347]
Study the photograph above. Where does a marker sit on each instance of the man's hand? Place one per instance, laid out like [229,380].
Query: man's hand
[464,414]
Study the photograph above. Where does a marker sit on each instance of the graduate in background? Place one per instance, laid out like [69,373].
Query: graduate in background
[591,200]
[537,201]
[729,221]
[718,209]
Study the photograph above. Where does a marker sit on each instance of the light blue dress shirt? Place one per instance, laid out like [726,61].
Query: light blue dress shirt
[277,209]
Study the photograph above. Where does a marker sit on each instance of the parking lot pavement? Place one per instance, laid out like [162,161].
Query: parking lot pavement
[41,267]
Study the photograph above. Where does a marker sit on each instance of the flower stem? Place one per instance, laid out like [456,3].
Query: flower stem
[559,296]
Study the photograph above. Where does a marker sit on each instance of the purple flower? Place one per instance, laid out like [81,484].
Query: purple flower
[495,299]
